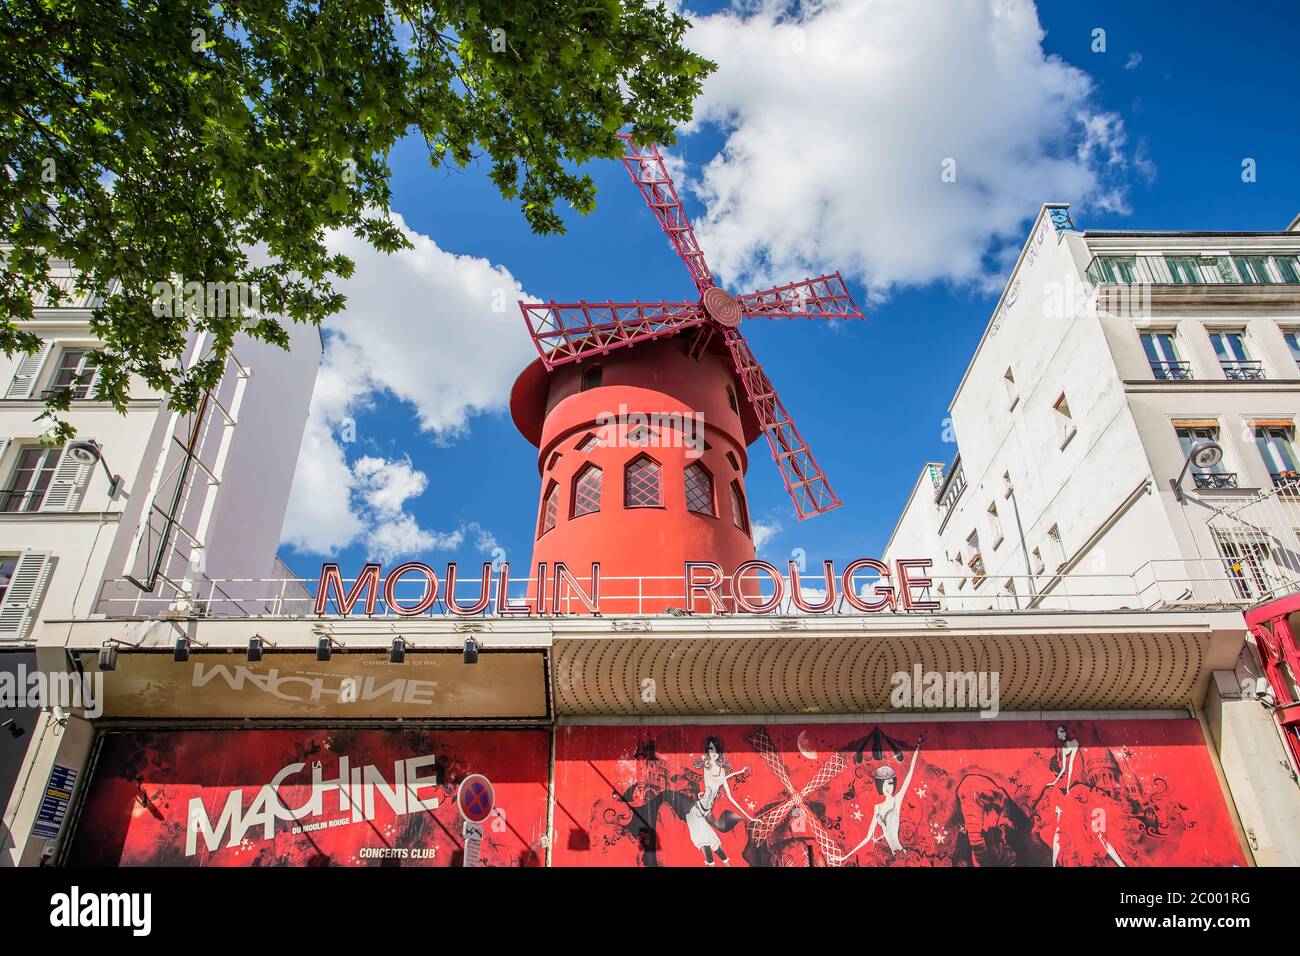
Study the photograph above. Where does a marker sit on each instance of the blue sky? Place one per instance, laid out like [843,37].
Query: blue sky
[1149,134]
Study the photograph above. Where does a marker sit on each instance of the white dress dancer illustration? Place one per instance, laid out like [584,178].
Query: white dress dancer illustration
[1068,749]
[715,771]
[885,813]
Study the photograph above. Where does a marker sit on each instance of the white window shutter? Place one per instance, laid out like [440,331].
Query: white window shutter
[28,373]
[67,485]
[24,594]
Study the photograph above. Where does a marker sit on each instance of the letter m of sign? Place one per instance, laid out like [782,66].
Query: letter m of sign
[367,583]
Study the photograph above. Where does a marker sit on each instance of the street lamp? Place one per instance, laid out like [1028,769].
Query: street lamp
[1204,454]
[88,451]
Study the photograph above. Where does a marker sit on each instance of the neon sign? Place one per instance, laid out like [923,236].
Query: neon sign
[754,587]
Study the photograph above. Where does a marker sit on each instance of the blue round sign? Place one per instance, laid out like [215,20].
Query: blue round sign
[475,798]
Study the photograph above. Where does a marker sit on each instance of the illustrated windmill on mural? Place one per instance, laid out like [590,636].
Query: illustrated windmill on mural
[569,332]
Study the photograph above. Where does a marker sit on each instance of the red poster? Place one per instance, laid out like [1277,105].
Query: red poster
[1007,793]
[310,798]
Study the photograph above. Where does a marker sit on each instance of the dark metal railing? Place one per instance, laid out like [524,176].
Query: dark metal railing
[1242,370]
[1172,370]
[12,499]
[1215,479]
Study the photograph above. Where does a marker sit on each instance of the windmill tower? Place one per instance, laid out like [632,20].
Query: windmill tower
[642,413]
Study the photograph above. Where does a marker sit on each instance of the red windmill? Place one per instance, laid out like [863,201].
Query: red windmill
[675,506]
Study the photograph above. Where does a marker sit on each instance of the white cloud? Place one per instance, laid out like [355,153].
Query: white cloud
[438,331]
[839,116]
[763,533]
[386,485]
[1134,61]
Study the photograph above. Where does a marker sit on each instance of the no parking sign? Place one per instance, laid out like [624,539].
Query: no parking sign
[475,799]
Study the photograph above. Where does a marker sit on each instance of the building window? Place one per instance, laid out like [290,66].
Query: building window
[1234,359]
[699,490]
[995,524]
[550,509]
[641,484]
[1162,355]
[8,562]
[1193,433]
[1039,567]
[1121,269]
[1065,427]
[735,463]
[1274,443]
[588,443]
[739,515]
[1007,487]
[976,561]
[30,479]
[1009,383]
[1184,270]
[586,491]
[590,378]
[1248,564]
[75,371]
[1054,536]
[640,436]
[1289,268]
[1253,270]
[1292,337]
[550,462]
[951,490]
[731,400]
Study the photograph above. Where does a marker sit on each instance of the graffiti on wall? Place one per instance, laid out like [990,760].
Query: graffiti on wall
[309,798]
[1072,793]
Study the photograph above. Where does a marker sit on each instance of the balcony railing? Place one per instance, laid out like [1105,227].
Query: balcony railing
[1194,270]
[1154,585]
[1242,370]
[1286,481]
[1215,479]
[1180,371]
[14,499]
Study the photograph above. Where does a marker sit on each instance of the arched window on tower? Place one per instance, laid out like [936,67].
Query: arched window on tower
[699,490]
[731,399]
[586,491]
[590,377]
[738,513]
[550,509]
[641,483]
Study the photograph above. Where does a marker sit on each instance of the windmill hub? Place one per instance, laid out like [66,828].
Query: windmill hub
[722,307]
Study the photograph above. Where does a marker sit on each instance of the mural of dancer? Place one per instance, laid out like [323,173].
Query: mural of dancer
[1138,792]
[716,771]
[885,814]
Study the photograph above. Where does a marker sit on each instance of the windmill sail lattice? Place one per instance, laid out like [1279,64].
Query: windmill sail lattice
[567,332]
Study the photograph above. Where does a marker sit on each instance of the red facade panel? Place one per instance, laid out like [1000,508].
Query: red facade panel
[310,798]
[1077,793]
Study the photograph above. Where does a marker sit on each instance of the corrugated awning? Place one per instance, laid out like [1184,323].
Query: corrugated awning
[1271,423]
[1196,423]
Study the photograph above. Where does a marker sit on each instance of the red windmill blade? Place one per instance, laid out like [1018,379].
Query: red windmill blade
[567,332]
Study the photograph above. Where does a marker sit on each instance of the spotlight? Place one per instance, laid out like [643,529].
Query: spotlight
[325,648]
[471,651]
[181,652]
[256,645]
[108,656]
[15,731]
[397,654]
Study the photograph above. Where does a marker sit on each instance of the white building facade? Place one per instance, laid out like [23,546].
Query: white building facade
[201,496]
[1108,358]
